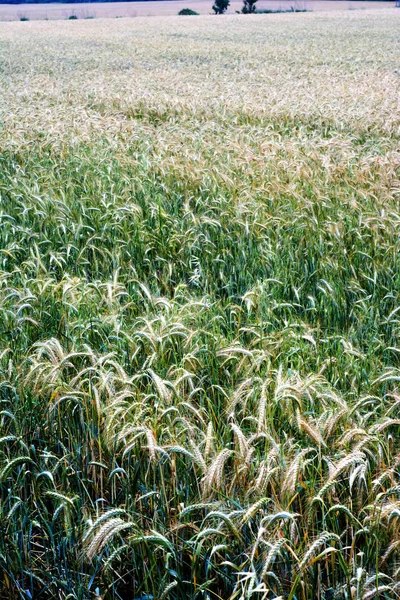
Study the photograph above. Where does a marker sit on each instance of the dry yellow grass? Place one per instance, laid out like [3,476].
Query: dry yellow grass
[85,79]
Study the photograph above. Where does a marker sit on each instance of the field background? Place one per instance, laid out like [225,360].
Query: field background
[199,294]
[170,7]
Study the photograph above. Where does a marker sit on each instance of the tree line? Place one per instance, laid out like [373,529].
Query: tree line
[221,6]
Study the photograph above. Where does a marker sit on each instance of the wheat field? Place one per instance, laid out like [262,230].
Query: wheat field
[200,308]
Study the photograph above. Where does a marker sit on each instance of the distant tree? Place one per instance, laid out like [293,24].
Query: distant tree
[220,6]
[249,6]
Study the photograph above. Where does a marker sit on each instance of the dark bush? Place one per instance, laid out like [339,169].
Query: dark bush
[187,11]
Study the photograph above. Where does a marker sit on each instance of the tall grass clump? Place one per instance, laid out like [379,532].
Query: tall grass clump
[200,309]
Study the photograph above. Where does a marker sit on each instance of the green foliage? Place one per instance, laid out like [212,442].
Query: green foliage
[72,18]
[220,6]
[187,11]
[249,6]
[199,309]
[24,19]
